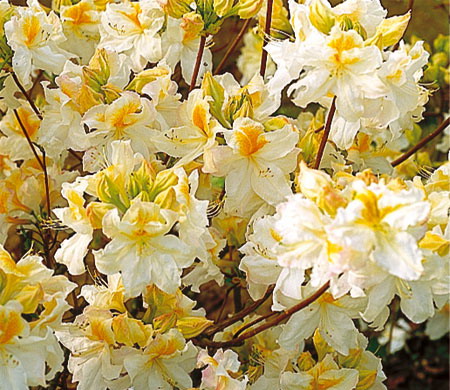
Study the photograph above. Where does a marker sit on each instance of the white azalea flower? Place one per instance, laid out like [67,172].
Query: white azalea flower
[256,165]
[80,24]
[142,250]
[133,28]
[128,117]
[326,374]
[217,374]
[164,363]
[384,224]
[93,362]
[181,46]
[34,36]
[333,319]
[260,260]
[194,133]
[73,250]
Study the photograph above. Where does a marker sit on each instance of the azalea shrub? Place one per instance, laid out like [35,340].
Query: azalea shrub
[219,194]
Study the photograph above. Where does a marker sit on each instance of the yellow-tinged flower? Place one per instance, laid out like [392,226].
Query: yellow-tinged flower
[14,143]
[35,37]
[128,117]
[318,186]
[195,132]
[175,8]
[265,157]
[141,248]
[133,28]
[192,25]
[12,324]
[165,361]
[321,16]
[247,9]
[223,7]
[326,374]
[390,31]
[130,331]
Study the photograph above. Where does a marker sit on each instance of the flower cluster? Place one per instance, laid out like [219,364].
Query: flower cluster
[141,188]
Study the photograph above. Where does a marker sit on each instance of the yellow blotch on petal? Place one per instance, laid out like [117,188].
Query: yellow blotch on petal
[250,138]
[100,330]
[342,42]
[199,118]
[31,27]
[79,14]
[11,324]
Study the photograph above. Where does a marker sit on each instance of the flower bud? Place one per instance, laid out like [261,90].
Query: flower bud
[165,322]
[223,7]
[439,59]
[192,25]
[239,106]
[147,76]
[351,360]
[130,331]
[95,212]
[321,16]
[247,9]
[30,297]
[211,87]
[442,43]
[305,361]
[175,8]
[366,379]
[391,30]
[192,326]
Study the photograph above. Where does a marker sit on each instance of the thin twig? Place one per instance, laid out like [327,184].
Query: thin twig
[391,329]
[75,155]
[27,136]
[41,161]
[275,321]
[421,143]
[198,62]
[262,69]
[25,94]
[319,129]
[239,316]
[47,188]
[254,322]
[233,45]
[326,133]
[222,306]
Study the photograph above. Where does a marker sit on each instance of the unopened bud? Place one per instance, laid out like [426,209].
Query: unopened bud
[192,25]
[175,8]
[223,7]
[391,30]
[247,9]
[321,16]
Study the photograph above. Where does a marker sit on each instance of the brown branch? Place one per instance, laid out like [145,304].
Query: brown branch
[25,94]
[198,62]
[262,70]
[275,321]
[421,143]
[319,129]
[239,316]
[40,161]
[222,306]
[254,322]
[75,155]
[233,45]
[326,133]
